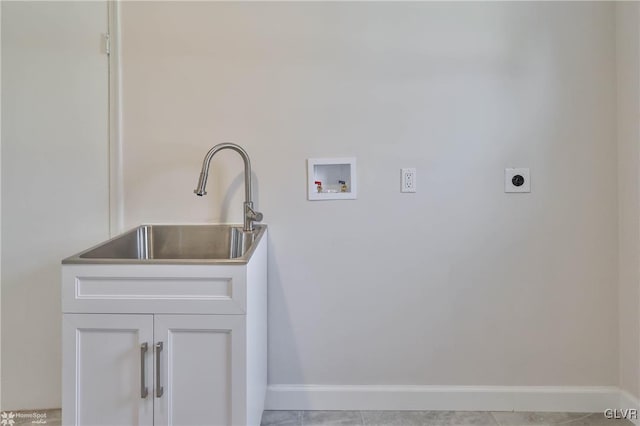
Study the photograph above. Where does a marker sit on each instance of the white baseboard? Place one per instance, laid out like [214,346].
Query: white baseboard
[460,398]
[629,401]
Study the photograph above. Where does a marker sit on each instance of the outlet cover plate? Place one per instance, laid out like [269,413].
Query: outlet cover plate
[408,181]
[513,176]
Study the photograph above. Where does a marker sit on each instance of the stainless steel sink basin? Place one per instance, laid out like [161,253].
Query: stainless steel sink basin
[175,244]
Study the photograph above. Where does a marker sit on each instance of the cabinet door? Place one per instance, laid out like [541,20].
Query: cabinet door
[201,370]
[103,362]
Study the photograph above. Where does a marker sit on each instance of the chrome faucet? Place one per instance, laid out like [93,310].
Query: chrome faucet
[250,215]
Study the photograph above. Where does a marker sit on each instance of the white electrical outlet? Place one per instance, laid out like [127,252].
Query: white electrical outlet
[517,180]
[408,180]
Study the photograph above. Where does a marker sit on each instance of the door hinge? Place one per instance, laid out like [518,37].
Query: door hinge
[106,43]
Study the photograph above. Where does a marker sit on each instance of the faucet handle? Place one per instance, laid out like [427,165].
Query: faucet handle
[254,215]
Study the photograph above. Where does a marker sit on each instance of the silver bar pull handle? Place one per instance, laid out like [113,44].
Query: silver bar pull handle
[143,352]
[159,388]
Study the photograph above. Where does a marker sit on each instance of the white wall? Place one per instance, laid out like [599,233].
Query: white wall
[458,284]
[628,113]
[0,207]
[54,179]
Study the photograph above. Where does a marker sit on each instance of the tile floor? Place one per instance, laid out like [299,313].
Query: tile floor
[434,418]
[399,418]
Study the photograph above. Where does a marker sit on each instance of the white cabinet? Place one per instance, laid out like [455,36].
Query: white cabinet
[192,364]
[102,369]
[132,357]
[201,369]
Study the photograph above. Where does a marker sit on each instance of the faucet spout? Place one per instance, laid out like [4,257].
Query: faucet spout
[250,215]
